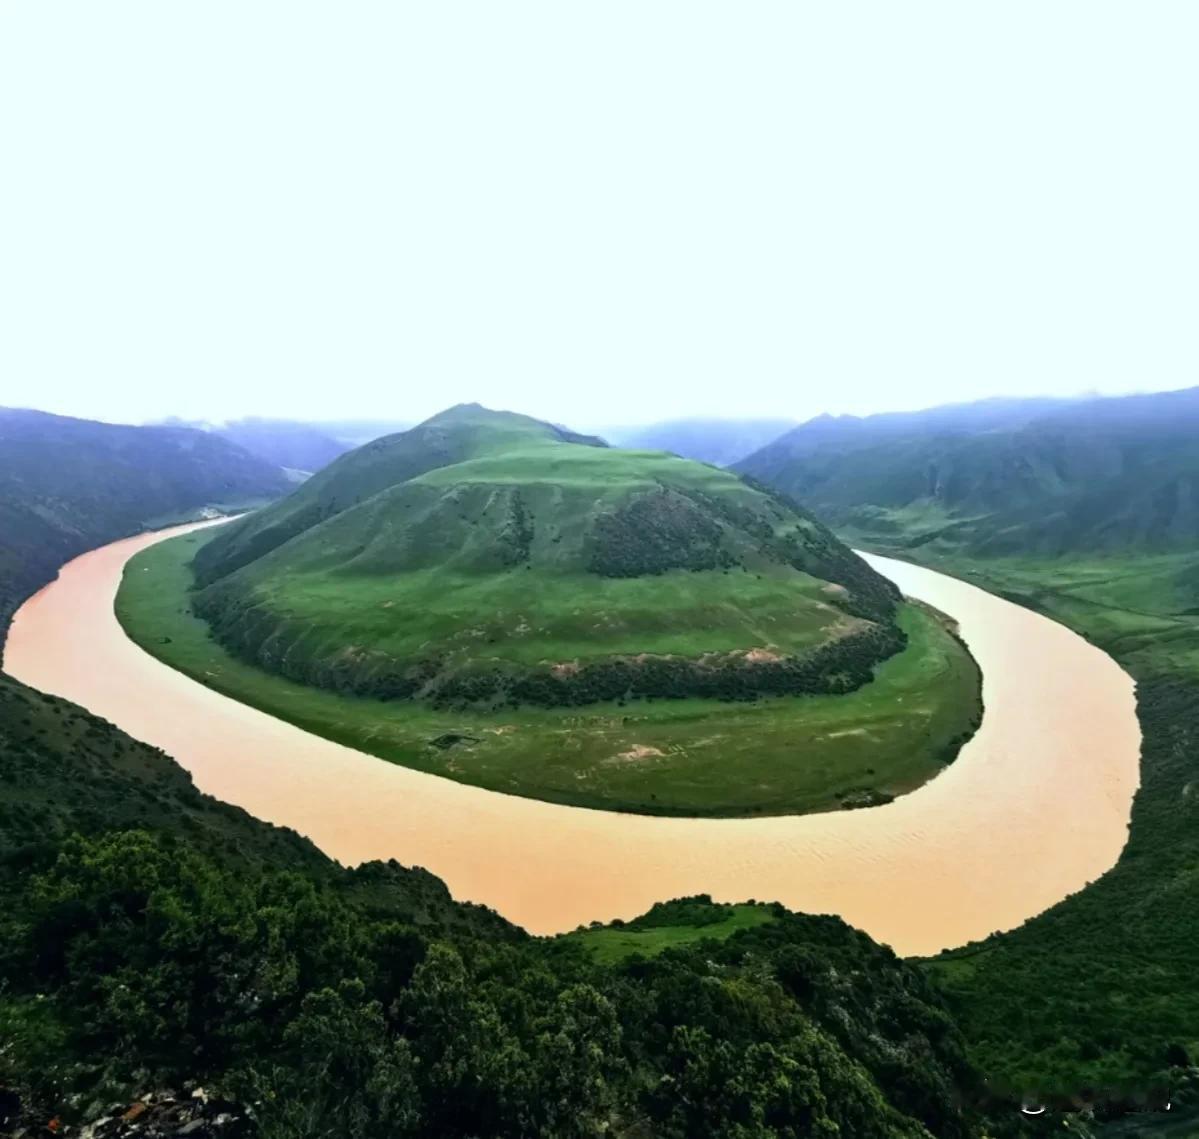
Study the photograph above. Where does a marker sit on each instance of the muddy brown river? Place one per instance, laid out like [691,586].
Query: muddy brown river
[1036,806]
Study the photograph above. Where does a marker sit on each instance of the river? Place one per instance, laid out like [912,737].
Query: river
[1035,807]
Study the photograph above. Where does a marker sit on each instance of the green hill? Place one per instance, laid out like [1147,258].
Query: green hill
[67,485]
[509,563]
[465,432]
[1003,476]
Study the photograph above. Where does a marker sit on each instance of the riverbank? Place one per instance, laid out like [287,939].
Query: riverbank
[1035,807]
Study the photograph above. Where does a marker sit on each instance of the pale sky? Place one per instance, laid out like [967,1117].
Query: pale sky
[593,212]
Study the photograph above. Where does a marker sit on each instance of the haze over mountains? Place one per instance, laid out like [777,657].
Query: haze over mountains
[718,441]
[1003,476]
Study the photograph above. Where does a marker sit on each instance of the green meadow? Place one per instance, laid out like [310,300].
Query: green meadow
[683,924]
[686,757]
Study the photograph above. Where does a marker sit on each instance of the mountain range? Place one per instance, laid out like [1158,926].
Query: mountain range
[1003,476]
[67,485]
[718,441]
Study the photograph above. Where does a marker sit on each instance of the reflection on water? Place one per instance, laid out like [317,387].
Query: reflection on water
[1036,805]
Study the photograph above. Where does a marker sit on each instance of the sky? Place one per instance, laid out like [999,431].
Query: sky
[594,213]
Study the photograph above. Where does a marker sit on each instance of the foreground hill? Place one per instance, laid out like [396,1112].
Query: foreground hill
[488,559]
[718,441]
[67,485]
[1004,477]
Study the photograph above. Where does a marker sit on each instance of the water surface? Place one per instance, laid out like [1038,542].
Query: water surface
[1036,806]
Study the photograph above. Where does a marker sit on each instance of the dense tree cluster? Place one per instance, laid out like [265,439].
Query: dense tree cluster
[516,537]
[138,956]
[681,527]
[654,531]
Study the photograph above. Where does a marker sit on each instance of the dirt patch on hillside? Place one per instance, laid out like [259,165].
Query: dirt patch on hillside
[762,656]
[636,753]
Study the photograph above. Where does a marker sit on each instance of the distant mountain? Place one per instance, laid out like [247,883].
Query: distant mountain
[286,443]
[1003,476]
[67,485]
[718,441]
[356,432]
[406,566]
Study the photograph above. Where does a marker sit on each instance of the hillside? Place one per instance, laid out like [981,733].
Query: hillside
[139,919]
[721,442]
[486,559]
[67,485]
[463,433]
[1003,477]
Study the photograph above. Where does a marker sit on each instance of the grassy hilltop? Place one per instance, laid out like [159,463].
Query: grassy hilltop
[512,619]
[541,570]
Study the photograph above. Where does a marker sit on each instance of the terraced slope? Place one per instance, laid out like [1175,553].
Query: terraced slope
[507,562]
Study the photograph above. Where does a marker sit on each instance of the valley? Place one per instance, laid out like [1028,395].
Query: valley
[1004,838]
[1001,834]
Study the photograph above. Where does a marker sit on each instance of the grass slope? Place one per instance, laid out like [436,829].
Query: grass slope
[462,433]
[670,925]
[691,757]
[1098,995]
